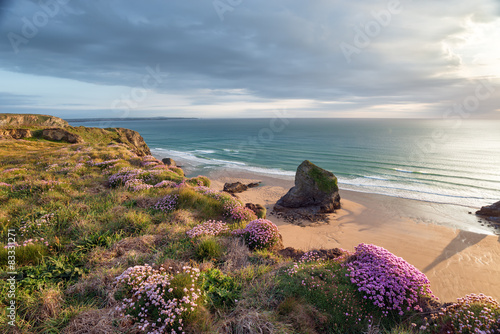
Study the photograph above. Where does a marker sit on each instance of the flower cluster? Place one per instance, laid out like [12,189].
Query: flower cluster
[158,300]
[123,176]
[127,173]
[3,184]
[29,242]
[137,185]
[311,256]
[50,167]
[106,163]
[13,170]
[32,228]
[389,281]
[166,184]
[167,203]
[259,234]
[474,314]
[150,158]
[210,227]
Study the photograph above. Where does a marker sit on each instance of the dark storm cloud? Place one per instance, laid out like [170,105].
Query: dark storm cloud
[273,50]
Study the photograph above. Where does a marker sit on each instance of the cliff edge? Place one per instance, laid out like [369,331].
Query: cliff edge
[17,120]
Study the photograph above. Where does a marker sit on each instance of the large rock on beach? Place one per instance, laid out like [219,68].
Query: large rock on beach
[315,192]
[236,187]
[169,162]
[490,211]
[59,134]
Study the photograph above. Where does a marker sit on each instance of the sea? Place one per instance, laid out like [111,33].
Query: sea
[452,161]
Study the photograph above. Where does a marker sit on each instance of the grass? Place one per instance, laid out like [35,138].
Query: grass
[95,232]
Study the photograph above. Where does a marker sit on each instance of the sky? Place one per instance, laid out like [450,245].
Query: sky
[244,59]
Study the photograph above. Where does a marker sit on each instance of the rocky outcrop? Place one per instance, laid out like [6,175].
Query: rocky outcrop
[132,139]
[315,192]
[15,133]
[236,187]
[169,162]
[491,212]
[258,209]
[17,120]
[59,134]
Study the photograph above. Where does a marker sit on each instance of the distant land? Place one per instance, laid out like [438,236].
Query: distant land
[126,119]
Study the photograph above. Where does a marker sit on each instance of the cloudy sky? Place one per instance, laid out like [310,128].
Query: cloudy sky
[250,58]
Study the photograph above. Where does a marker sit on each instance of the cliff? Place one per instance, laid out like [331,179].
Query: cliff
[19,126]
[18,120]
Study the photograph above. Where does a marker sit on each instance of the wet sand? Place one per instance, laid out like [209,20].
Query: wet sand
[443,241]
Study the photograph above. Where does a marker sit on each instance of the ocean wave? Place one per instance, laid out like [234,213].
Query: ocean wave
[412,191]
[204,151]
[403,170]
[192,159]
[375,177]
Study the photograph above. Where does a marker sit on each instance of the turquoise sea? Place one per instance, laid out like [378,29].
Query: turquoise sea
[443,161]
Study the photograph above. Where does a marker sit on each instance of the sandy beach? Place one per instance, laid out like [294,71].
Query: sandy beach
[430,236]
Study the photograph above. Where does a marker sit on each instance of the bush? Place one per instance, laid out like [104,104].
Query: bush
[260,234]
[208,249]
[222,291]
[159,301]
[210,227]
[167,203]
[473,314]
[323,286]
[201,181]
[387,280]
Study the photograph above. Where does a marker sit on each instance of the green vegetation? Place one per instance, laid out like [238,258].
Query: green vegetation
[325,182]
[86,216]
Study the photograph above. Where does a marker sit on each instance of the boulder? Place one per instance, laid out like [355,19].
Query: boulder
[253,184]
[133,140]
[315,192]
[169,162]
[236,187]
[490,210]
[16,133]
[258,209]
[59,134]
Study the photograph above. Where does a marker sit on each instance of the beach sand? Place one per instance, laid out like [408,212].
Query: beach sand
[457,262]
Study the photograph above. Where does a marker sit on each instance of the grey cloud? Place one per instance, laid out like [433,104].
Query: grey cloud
[274,50]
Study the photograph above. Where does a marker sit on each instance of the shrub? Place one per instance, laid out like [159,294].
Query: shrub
[210,227]
[208,249]
[324,286]
[222,290]
[260,234]
[474,314]
[167,203]
[161,302]
[387,280]
[166,184]
[137,185]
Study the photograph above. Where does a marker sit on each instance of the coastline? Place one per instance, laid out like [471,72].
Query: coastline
[456,261]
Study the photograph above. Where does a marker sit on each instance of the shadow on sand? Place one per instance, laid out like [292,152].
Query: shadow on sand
[461,242]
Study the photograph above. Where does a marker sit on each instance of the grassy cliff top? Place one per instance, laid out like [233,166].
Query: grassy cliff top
[22,120]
